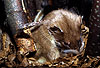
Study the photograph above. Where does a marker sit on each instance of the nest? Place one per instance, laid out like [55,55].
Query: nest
[11,56]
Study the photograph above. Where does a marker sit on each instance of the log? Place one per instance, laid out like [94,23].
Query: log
[15,15]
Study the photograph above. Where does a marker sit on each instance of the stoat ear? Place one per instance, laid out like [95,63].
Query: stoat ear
[79,20]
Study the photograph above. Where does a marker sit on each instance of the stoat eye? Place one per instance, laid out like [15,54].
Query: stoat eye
[55,29]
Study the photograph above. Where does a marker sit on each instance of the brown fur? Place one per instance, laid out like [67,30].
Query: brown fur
[45,39]
[68,22]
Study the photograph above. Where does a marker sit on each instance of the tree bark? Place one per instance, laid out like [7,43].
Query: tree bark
[15,15]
